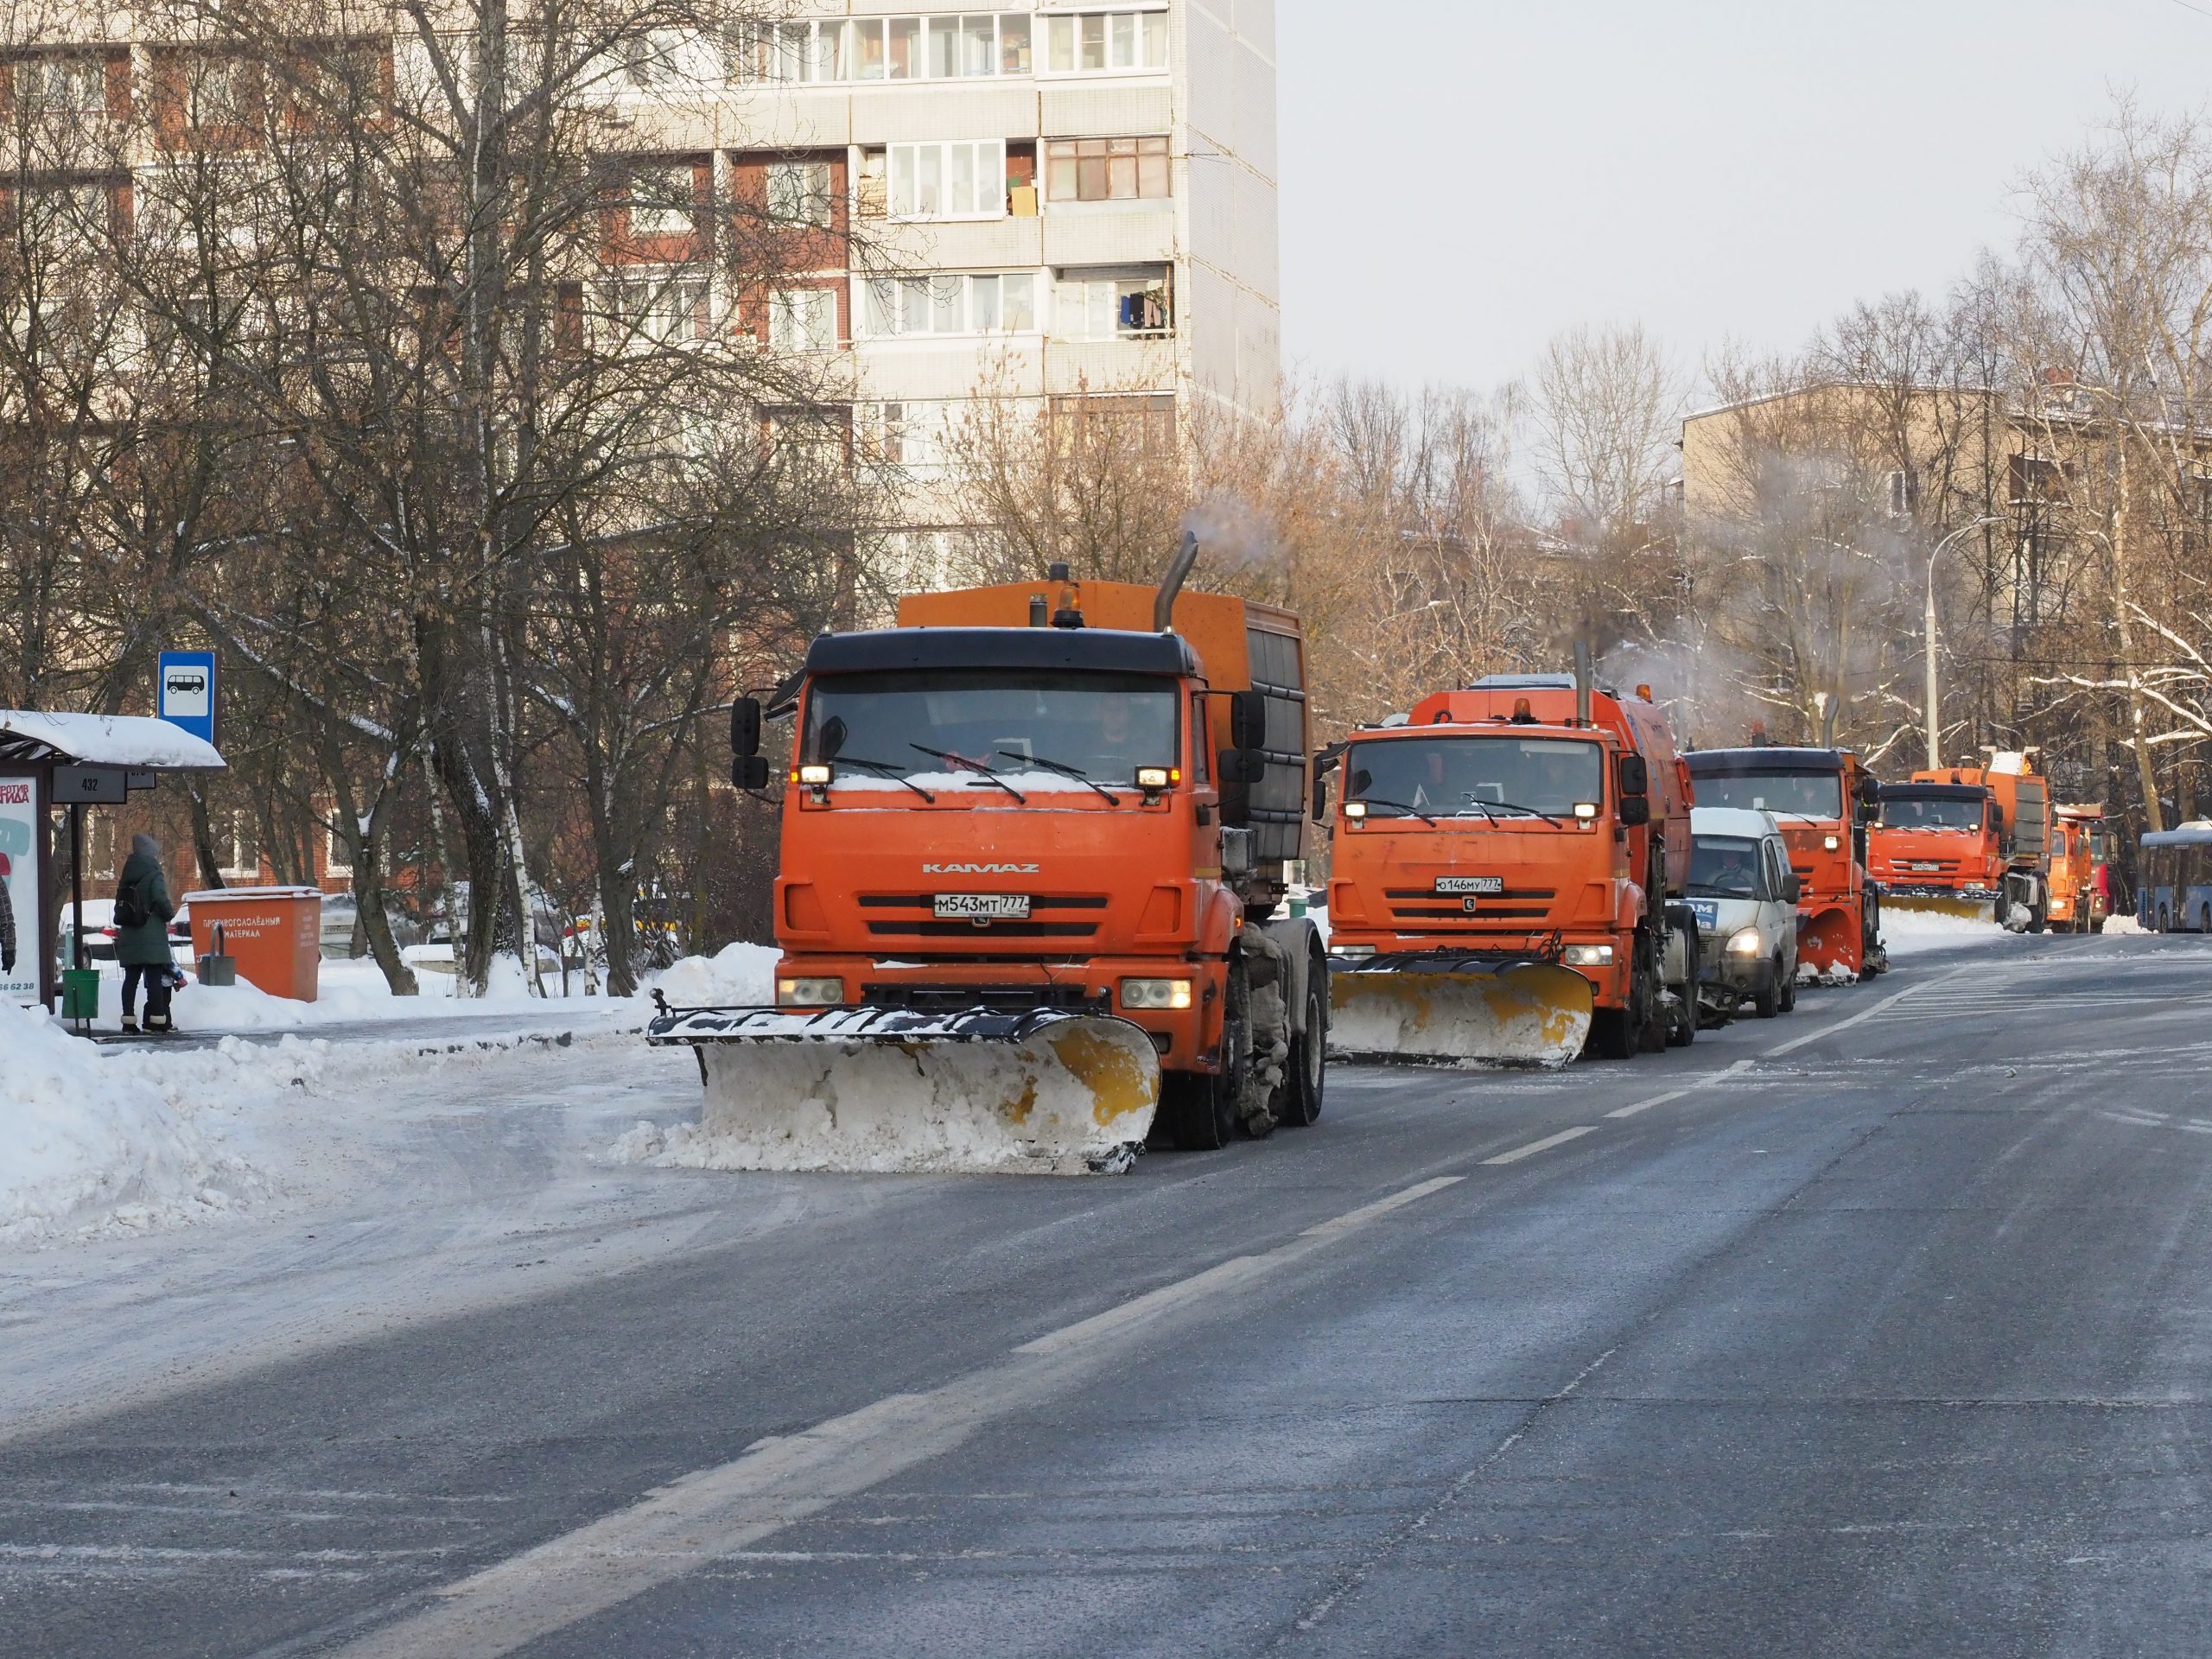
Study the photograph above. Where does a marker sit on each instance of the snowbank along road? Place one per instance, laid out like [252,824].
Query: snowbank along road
[1884,1329]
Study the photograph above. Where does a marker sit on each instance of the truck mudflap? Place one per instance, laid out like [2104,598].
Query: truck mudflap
[1426,1011]
[1041,1090]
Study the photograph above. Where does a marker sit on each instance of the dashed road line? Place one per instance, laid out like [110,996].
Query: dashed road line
[1691,1088]
[1889,1002]
[1544,1145]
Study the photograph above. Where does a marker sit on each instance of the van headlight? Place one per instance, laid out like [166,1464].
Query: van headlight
[1588,956]
[1155,993]
[809,992]
[1743,942]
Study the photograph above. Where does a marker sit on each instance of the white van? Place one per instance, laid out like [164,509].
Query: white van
[1745,898]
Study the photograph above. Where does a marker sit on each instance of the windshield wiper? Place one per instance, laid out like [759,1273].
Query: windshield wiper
[1484,807]
[1065,770]
[988,775]
[883,769]
[1402,806]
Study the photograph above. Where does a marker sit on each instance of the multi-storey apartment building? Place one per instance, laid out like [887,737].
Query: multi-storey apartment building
[1045,201]
[1025,200]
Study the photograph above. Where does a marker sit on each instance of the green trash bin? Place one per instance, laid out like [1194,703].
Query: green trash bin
[81,993]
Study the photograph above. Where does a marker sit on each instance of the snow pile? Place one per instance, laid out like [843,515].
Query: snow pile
[87,1145]
[738,975]
[1906,932]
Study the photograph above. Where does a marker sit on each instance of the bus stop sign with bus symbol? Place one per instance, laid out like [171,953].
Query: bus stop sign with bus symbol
[187,691]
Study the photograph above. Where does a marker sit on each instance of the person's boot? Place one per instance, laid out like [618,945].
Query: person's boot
[158,1024]
[130,1026]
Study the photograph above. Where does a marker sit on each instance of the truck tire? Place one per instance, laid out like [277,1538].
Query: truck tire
[1298,1102]
[1681,1024]
[1768,1003]
[1789,991]
[1623,1033]
[1198,1109]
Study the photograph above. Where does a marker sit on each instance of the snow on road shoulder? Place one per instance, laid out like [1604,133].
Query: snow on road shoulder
[1907,931]
[87,1145]
[737,975]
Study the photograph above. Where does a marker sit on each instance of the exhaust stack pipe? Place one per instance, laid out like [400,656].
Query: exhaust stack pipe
[1178,567]
[1582,680]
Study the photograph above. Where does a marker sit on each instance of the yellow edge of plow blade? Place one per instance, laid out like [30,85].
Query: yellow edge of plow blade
[1536,1014]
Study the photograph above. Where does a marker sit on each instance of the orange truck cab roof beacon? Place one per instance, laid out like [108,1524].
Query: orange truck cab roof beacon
[1503,824]
[1822,798]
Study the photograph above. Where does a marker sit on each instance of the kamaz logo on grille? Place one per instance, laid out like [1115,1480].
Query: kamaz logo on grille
[979,870]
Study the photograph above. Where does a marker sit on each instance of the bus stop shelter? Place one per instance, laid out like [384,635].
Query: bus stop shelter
[50,760]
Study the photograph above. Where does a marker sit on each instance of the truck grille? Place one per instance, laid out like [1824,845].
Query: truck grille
[1440,913]
[1002,999]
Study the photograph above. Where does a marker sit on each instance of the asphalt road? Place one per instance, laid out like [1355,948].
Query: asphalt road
[1881,1329]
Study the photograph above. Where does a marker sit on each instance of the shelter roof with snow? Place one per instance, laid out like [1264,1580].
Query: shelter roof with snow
[34,738]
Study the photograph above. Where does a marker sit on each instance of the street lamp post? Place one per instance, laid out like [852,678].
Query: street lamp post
[1934,759]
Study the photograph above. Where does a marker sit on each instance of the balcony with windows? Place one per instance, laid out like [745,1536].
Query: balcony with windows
[969,46]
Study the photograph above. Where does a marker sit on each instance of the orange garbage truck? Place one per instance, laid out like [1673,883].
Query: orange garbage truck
[2078,901]
[1033,839]
[1974,841]
[1823,800]
[1505,875]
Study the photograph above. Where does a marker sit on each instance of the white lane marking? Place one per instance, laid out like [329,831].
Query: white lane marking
[1544,1145]
[710,1514]
[1631,1109]
[2139,1121]
[1890,1001]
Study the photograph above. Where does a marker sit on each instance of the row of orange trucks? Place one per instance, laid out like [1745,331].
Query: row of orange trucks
[1037,902]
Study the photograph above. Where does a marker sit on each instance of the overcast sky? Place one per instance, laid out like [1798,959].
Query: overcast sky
[1462,178]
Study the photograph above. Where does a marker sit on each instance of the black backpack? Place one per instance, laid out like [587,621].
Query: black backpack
[130,909]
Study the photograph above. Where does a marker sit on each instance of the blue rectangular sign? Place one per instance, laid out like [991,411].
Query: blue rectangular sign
[185,694]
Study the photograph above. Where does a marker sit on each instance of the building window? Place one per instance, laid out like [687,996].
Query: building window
[652,59]
[831,51]
[802,320]
[663,202]
[1128,304]
[2034,481]
[799,193]
[661,309]
[964,180]
[1140,423]
[1106,169]
[909,435]
[1106,43]
[57,83]
[952,304]
[222,92]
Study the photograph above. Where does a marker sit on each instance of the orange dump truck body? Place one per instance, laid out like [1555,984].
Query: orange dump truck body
[1570,881]
[1820,798]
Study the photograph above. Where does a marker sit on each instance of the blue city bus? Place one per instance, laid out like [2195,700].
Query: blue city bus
[2173,884]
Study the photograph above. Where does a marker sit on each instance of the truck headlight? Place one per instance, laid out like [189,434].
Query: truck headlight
[1155,993]
[809,992]
[1352,949]
[1588,956]
[1354,809]
[1157,778]
[1743,942]
[1831,842]
[814,777]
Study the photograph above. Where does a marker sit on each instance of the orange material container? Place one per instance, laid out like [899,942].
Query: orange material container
[274,934]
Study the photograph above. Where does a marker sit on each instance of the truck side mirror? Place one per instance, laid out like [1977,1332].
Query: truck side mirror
[749,772]
[1792,888]
[744,728]
[1320,799]
[1870,790]
[1240,766]
[1248,720]
[1635,810]
[1634,774]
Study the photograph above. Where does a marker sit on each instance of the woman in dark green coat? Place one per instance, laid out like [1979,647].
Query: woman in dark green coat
[143,910]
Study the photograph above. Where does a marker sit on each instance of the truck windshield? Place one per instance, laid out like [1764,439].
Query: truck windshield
[1798,794]
[1037,728]
[1725,867]
[1906,812]
[1476,777]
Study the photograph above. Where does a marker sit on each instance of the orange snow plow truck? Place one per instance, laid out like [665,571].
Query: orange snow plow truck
[2078,904]
[1823,800]
[1504,873]
[1972,842]
[1033,839]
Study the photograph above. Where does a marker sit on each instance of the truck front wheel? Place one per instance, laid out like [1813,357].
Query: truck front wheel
[1298,1102]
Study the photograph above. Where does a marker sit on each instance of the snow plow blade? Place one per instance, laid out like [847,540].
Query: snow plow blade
[1941,904]
[1447,1014]
[883,1090]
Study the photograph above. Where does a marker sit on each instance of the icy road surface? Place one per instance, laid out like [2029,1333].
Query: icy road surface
[1879,1329]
